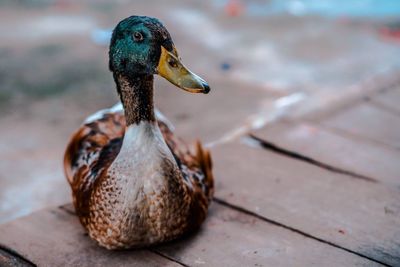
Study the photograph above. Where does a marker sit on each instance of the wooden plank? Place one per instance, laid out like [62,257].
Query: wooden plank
[239,239]
[355,214]
[232,238]
[389,99]
[56,238]
[228,238]
[8,259]
[368,121]
[364,158]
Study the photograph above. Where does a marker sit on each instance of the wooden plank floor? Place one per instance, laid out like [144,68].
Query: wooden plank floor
[347,212]
[332,149]
[389,100]
[296,193]
[369,121]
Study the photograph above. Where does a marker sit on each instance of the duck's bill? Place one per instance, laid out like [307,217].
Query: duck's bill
[172,69]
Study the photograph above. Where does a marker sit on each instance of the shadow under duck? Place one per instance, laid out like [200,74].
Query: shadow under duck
[134,183]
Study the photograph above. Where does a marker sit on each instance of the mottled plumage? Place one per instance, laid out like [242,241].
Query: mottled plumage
[87,160]
[134,182]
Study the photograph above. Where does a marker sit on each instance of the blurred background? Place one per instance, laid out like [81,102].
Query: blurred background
[264,60]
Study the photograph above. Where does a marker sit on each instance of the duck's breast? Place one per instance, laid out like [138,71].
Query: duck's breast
[142,194]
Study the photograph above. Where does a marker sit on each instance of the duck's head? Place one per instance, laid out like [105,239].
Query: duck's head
[142,46]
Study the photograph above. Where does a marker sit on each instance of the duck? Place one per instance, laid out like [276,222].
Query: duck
[134,182]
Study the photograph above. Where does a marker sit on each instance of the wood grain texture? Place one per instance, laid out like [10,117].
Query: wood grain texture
[55,237]
[389,99]
[8,259]
[368,121]
[364,158]
[228,238]
[355,214]
[232,238]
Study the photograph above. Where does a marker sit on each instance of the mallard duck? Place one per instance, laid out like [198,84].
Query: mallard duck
[134,182]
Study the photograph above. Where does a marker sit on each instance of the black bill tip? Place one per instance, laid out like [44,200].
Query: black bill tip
[206,87]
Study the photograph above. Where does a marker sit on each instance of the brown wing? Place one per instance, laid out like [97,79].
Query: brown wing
[96,144]
[90,152]
[197,172]
[196,168]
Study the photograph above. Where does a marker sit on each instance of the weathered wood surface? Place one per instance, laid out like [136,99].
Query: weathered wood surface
[272,210]
[351,154]
[10,259]
[389,99]
[369,121]
[327,219]
[275,210]
[355,214]
[232,238]
[228,238]
[54,237]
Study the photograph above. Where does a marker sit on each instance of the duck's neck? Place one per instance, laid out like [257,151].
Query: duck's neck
[137,98]
[143,151]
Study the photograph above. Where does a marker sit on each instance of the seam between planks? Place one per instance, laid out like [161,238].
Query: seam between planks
[149,249]
[67,210]
[380,105]
[239,209]
[379,84]
[349,135]
[167,257]
[295,155]
[16,255]
[276,223]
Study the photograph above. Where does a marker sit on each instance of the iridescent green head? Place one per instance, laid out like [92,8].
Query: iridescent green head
[142,46]
[136,45]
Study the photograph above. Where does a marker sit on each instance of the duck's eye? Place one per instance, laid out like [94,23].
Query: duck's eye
[172,62]
[137,36]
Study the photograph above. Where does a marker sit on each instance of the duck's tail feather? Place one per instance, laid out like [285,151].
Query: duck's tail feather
[204,158]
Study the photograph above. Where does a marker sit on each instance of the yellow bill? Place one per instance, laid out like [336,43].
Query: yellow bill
[172,69]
